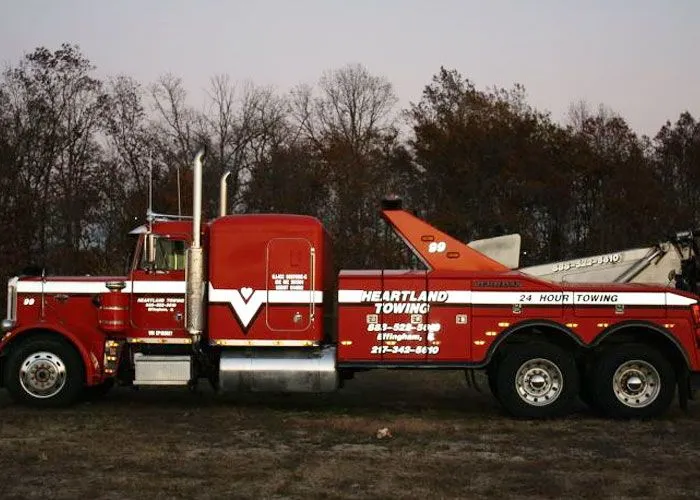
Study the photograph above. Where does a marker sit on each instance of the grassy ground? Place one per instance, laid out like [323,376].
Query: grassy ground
[447,442]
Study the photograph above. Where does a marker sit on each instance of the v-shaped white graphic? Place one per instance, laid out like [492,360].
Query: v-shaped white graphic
[246,302]
[244,309]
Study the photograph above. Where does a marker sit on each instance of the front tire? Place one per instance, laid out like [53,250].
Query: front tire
[537,380]
[44,372]
[633,381]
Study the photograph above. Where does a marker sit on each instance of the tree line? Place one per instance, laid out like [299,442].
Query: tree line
[76,150]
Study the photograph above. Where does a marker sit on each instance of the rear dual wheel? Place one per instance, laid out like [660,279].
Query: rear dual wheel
[537,380]
[631,381]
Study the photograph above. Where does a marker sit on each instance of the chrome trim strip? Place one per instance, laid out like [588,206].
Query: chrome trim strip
[165,287]
[578,298]
[264,343]
[157,340]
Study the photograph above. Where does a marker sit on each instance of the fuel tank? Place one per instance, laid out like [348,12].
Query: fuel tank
[279,370]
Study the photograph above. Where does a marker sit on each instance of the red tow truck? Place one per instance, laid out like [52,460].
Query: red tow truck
[250,302]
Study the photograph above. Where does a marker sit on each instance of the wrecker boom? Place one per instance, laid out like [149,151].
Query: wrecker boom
[673,263]
[437,250]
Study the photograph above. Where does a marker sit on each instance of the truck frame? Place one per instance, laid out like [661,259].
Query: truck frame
[250,302]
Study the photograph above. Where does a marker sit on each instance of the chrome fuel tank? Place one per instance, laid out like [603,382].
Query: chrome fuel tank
[279,370]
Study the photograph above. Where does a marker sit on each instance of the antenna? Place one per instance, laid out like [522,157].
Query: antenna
[149,212]
[43,295]
[179,204]
[152,216]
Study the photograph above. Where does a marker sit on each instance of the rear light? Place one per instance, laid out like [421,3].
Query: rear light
[695,310]
[111,357]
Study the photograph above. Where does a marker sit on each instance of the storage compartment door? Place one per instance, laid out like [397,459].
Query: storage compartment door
[290,293]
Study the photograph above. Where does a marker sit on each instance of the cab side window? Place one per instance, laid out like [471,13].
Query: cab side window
[169,255]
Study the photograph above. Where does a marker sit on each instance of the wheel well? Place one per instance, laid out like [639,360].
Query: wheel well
[26,337]
[532,332]
[647,335]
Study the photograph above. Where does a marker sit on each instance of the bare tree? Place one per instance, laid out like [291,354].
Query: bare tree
[176,121]
[352,105]
[347,121]
[56,107]
[581,111]
[242,125]
[128,132]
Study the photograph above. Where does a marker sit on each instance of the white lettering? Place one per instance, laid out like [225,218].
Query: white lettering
[401,308]
[596,297]
[437,247]
[160,333]
[404,296]
[551,297]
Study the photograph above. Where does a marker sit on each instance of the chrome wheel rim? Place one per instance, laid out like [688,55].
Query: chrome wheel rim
[539,382]
[636,383]
[42,375]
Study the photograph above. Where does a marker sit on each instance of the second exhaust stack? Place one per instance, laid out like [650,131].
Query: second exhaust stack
[194,297]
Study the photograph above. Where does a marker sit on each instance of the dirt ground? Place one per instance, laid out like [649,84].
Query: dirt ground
[446,441]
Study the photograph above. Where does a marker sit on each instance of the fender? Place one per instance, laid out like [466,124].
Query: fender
[642,324]
[514,329]
[93,374]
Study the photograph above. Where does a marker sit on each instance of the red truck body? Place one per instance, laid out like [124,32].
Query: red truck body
[278,318]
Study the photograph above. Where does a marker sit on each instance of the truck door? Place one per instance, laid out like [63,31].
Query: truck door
[290,284]
[449,321]
[158,293]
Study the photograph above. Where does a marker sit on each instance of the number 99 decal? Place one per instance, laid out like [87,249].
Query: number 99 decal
[437,247]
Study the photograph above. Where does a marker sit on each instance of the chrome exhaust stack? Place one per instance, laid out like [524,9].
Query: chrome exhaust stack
[223,193]
[194,297]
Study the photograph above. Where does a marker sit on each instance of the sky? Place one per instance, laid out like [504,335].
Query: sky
[639,58]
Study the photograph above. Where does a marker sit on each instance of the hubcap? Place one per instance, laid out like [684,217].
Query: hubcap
[42,375]
[539,382]
[636,383]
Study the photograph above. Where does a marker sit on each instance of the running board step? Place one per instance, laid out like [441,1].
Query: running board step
[162,370]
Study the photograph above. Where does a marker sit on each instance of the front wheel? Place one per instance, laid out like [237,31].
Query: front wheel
[537,380]
[44,372]
[633,381]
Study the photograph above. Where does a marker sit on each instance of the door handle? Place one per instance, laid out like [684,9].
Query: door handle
[61,297]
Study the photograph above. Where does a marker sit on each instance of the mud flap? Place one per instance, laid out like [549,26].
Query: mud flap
[694,384]
[683,392]
[687,383]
